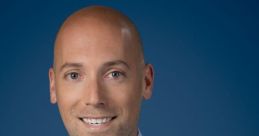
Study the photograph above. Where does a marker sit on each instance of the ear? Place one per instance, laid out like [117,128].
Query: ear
[148,81]
[53,98]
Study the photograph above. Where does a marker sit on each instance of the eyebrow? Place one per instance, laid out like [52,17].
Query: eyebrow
[106,64]
[116,62]
[67,65]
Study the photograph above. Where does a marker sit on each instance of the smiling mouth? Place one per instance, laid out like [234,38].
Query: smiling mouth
[97,121]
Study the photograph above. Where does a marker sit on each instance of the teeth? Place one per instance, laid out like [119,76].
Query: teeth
[96,121]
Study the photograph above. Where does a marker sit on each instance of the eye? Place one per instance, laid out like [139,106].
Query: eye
[72,76]
[115,74]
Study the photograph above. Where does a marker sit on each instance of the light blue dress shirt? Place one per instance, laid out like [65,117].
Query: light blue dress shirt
[139,133]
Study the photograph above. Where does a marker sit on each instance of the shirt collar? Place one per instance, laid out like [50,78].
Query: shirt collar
[139,133]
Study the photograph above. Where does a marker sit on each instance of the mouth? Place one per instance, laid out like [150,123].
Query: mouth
[97,121]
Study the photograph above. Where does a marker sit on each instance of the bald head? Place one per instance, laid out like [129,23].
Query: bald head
[100,20]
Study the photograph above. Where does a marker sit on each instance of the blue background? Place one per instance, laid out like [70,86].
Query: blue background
[205,55]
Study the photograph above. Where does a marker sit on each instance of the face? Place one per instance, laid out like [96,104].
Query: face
[99,80]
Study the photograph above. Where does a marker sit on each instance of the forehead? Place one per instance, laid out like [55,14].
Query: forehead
[89,31]
[93,41]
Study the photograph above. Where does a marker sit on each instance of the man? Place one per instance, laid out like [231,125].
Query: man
[99,77]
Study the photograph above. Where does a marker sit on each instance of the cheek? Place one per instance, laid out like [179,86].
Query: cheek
[126,97]
[67,97]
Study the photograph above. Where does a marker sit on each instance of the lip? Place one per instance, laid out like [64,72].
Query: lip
[95,126]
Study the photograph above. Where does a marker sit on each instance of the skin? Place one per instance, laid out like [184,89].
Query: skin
[98,72]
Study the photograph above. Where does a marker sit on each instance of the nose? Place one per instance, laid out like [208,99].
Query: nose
[95,94]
